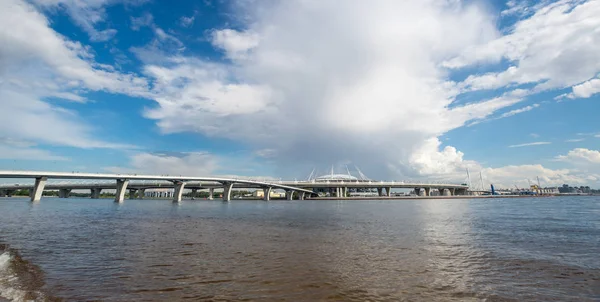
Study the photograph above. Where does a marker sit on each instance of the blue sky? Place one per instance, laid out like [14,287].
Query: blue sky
[402,89]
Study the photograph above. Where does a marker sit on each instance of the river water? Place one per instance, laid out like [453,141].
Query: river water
[404,250]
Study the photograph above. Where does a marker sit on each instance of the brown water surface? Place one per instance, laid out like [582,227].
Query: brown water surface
[408,250]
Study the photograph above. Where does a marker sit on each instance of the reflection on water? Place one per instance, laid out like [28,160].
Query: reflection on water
[430,250]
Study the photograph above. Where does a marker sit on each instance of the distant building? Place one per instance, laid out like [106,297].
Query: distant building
[273,194]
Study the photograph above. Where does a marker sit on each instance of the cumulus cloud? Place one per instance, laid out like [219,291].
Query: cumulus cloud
[581,156]
[329,81]
[585,89]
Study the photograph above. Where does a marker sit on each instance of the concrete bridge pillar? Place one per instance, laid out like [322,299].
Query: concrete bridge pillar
[427,191]
[267,193]
[422,192]
[95,194]
[227,188]
[211,193]
[38,188]
[64,193]
[132,193]
[446,192]
[194,193]
[289,195]
[141,193]
[460,192]
[380,191]
[388,191]
[301,195]
[178,193]
[121,189]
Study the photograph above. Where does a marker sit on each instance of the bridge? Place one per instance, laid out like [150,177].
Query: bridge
[123,182]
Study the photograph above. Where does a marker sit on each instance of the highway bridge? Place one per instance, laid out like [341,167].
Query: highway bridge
[139,183]
[121,183]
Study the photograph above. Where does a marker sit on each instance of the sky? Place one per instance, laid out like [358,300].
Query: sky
[404,90]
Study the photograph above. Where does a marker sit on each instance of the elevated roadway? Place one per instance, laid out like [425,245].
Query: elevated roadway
[122,182]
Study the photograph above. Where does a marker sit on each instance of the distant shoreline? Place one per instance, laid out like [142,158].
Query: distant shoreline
[356,198]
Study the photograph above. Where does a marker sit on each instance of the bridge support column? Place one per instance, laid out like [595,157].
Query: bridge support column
[227,188]
[132,193]
[388,191]
[141,193]
[194,193]
[289,195]
[178,193]
[38,188]
[121,189]
[95,194]
[211,193]
[267,193]
[380,191]
[446,192]
[427,191]
[301,195]
[64,193]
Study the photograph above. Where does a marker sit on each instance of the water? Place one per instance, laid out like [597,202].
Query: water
[412,250]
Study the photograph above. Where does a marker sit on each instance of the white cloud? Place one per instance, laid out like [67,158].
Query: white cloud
[514,7]
[508,114]
[575,140]
[235,44]
[18,149]
[188,21]
[529,144]
[541,49]
[86,14]
[29,154]
[144,20]
[49,66]
[534,135]
[581,156]
[185,164]
[520,110]
[585,89]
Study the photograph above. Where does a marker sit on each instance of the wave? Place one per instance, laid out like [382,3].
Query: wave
[20,280]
